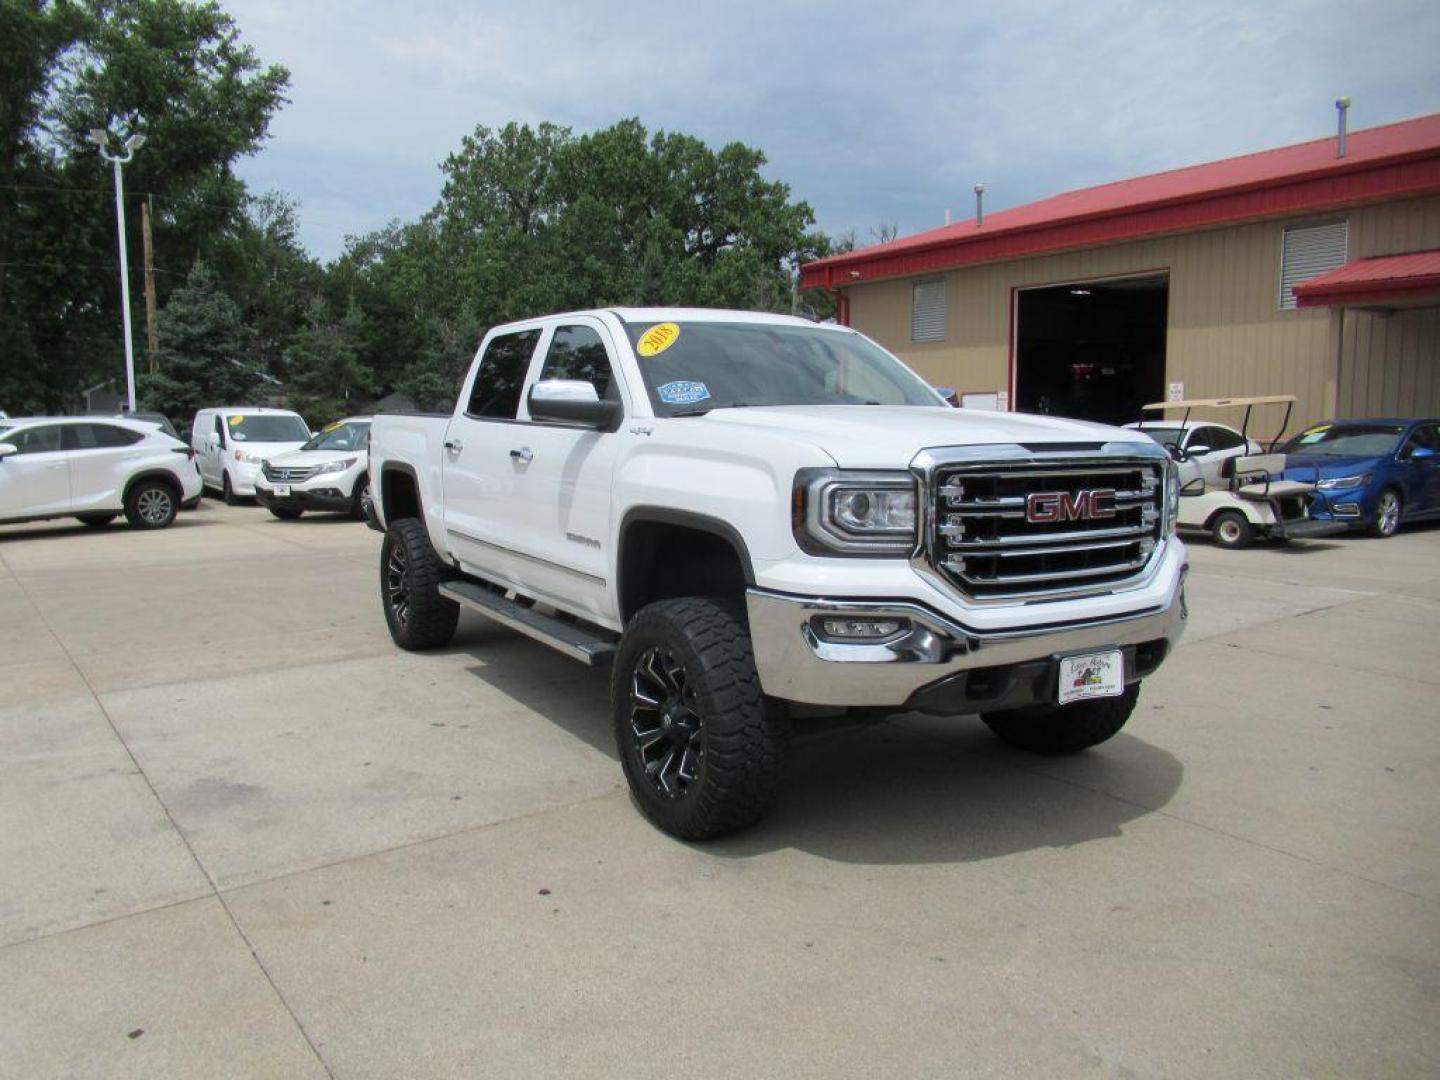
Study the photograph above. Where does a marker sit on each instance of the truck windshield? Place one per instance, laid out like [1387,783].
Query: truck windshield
[1346,440]
[692,367]
[271,427]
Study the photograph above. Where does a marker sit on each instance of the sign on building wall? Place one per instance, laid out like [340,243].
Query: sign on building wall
[1176,392]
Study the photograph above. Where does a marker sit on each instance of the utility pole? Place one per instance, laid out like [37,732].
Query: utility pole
[101,138]
[152,343]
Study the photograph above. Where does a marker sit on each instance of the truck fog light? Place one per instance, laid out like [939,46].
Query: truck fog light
[861,629]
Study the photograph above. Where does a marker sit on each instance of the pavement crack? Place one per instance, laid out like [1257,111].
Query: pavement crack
[180,832]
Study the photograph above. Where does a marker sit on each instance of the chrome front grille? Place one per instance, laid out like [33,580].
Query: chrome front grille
[286,476]
[1027,528]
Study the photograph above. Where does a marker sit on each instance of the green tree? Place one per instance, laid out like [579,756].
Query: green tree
[204,350]
[328,380]
[175,70]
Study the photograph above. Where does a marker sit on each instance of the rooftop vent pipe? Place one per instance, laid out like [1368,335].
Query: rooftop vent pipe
[1342,106]
[979,204]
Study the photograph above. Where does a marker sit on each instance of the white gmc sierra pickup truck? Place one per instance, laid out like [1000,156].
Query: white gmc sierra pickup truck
[741,511]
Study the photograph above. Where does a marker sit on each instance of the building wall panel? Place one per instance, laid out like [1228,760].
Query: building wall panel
[1227,334]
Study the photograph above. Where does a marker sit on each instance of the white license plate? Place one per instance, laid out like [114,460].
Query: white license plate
[1099,674]
[282,491]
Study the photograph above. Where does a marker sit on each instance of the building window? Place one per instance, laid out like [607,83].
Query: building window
[1310,250]
[927,310]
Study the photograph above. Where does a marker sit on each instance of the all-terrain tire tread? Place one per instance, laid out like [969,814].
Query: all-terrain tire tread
[746,736]
[433,618]
[1064,729]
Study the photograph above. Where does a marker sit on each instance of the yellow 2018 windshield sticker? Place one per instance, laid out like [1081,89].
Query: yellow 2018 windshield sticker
[657,339]
[332,426]
[236,421]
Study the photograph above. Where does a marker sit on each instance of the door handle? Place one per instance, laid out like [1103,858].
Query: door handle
[454,445]
[524,455]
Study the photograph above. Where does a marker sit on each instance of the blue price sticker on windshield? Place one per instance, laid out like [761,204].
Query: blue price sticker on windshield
[683,392]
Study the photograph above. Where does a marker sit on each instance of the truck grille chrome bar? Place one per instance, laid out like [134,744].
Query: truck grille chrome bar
[1004,531]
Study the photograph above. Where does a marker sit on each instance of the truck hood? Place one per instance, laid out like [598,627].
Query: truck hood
[878,436]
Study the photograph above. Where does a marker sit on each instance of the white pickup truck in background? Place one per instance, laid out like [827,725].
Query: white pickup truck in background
[740,511]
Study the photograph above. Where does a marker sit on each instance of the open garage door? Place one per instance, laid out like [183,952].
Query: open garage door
[1094,350]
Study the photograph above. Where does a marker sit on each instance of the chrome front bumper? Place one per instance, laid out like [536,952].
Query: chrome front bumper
[797,664]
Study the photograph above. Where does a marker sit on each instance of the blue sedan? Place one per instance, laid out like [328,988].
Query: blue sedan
[1373,474]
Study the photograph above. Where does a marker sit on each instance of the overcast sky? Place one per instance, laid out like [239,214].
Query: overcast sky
[871,112]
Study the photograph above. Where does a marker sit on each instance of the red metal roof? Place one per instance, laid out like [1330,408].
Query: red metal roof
[1394,161]
[1372,281]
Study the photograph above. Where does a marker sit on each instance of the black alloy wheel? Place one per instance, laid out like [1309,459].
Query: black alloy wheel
[669,735]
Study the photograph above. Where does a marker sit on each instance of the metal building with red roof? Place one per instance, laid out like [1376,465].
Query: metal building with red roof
[1311,269]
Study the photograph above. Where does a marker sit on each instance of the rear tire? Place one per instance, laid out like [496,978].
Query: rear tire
[97,521]
[151,504]
[1231,529]
[1064,729]
[702,748]
[1386,522]
[286,513]
[410,575]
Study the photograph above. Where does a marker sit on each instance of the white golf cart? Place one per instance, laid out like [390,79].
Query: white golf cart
[1249,499]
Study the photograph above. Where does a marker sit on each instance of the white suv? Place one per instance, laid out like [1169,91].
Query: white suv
[330,472]
[94,469]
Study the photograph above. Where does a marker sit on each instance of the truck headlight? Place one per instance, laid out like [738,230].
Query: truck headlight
[334,466]
[854,512]
[1337,482]
[1172,496]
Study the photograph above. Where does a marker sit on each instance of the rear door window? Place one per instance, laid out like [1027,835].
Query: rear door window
[98,437]
[498,383]
[577,352]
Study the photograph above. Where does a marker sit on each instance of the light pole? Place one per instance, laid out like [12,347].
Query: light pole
[101,138]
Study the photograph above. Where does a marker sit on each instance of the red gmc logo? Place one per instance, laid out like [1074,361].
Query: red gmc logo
[1047,507]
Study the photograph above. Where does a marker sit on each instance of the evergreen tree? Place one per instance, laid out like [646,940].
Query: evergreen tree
[204,351]
[327,378]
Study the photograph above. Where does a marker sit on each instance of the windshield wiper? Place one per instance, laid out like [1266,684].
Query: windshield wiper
[711,408]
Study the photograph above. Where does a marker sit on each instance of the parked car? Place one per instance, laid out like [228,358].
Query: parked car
[160,420]
[232,445]
[1371,474]
[1204,444]
[330,472]
[735,510]
[94,469]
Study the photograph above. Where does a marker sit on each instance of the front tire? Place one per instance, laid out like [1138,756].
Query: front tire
[362,488]
[1231,529]
[702,748]
[286,513]
[227,492]
[1064,729]
[410,575]
[1386,522]
[151,504]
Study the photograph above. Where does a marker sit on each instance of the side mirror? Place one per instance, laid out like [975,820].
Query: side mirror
[8,448]
[1196,451]
[573,401]
[1422,453]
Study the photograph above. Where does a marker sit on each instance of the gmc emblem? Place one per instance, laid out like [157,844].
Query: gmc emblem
[1048,507]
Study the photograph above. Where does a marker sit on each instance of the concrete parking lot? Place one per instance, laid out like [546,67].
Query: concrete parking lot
[242,835]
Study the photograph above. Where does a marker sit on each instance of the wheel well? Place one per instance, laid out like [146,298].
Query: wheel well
[661,560]
[400,494]
[168,479]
